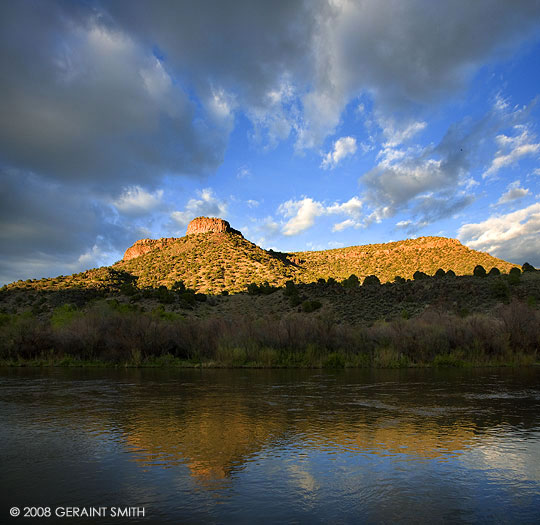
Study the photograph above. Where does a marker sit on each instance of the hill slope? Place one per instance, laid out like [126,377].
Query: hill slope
[217,258]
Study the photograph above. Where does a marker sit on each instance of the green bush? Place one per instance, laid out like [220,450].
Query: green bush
[63,315]
[514,276]
[351,282]
[371,280]
[528,267]
[253,289]
[479,271]
[440,273]
[500,290]
[178,286]
[494,272]
[450,273]
[418,275]
[334,360]
[310,306]
[290,289]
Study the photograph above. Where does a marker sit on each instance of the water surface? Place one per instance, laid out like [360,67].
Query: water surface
[223,446]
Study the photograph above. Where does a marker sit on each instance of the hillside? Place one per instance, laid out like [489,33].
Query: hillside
[214,258]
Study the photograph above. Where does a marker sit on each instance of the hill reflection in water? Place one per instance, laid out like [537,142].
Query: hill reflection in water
[292,445]
[215,428]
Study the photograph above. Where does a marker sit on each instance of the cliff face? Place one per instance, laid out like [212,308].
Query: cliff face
[143,246]
[209,225]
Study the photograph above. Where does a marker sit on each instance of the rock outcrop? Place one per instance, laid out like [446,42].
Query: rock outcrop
[209,225]
[196,226]
[143,246]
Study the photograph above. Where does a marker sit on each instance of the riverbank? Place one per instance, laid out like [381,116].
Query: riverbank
[107,334]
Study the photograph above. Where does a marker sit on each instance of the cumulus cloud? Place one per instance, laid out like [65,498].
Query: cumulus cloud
[431,208]
[413,177]
[513,236]
[512,148]
[343,147]
[207,204]
[136,201]
[396,134]
[514,192]
[303,213]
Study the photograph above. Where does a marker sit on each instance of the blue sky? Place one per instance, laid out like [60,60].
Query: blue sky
[307,125]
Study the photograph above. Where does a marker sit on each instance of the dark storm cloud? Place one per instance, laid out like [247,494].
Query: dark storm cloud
[83,101]
[49,229]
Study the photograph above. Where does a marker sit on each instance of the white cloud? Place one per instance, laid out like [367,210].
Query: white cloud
[514,192]
[397,133]
[343,147]
[403,224]
[340,226]
[511,149]
[418,178]
[303,213]
[206,205]
[243,173]
[136,201]
[514,236]
[252,203]
[352,207]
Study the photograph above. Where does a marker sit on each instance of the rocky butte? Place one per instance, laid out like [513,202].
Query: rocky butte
[196,226]
[209,225]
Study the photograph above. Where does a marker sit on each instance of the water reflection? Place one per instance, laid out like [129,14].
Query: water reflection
[296,436]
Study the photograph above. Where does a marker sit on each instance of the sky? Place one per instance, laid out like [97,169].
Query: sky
[307,125]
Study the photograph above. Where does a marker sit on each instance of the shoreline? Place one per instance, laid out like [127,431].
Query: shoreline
[334,363]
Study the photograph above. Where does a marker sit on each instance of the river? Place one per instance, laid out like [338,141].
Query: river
[266,446]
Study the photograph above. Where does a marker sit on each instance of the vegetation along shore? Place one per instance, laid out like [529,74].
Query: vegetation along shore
[270,309]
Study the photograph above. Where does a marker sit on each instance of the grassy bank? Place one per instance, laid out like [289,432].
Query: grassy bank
[111,334]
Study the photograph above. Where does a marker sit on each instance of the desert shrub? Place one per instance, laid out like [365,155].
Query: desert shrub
[371,280]
[164,296]
[528,267]
[178,286]
[267,289]
[331,281]
[311,305]
[128,289]
[321,281]
[295,300]
[200,297]
[351,282]
[450,273]
[522,323]
[514,276]
[440,273]
[494,272]
[399,280]
[499,289]
[479,271]
[290,289]
[418,275]
[253,289]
